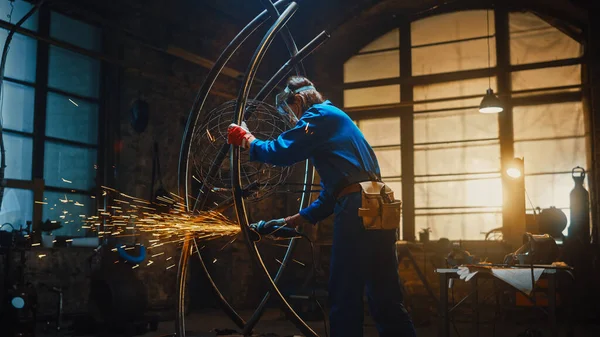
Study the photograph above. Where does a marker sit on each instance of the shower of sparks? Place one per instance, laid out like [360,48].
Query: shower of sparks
[298,262]
[128,216]
[75,104]
[131,216]
[41,202]
[66,181]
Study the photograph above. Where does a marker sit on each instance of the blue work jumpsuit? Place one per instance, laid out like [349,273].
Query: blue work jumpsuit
[359,257]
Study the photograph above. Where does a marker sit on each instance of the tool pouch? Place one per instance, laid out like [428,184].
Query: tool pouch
[379,209]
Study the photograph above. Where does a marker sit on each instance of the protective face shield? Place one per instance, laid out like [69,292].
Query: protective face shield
[282,106]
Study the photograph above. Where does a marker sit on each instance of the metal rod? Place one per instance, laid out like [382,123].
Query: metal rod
[296,57]
[285,34]
[236,42]
[287,67]
[183,177]
[237,319]
[181,278]
[236,167]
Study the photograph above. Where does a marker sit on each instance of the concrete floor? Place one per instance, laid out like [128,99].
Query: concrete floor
[211,323]
[273,324]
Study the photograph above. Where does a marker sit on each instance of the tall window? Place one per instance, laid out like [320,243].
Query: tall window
[458,192]
[456,157]
[379,60]
[550,133]
[50,110]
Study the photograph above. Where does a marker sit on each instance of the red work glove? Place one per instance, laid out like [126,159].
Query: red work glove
[239,136]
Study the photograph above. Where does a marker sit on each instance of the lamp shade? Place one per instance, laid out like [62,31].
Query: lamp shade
[490,104]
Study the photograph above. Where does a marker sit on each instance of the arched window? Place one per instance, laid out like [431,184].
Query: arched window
[455,150]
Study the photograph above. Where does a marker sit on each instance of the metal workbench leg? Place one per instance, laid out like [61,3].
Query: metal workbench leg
[552,304]
[570,305]
[444,319]
[475,306]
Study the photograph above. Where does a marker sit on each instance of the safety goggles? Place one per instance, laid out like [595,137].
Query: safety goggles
[281,102]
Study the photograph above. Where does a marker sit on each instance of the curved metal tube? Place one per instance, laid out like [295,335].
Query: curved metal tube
[308,172]
[183,178]
[181,277]
[239,321]
[236,167]
[293,51]
[286,36]
[236,42]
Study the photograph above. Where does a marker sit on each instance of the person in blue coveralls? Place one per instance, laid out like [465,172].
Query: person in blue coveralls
[360,258]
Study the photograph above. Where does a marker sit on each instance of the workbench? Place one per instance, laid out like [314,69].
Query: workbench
[448,274]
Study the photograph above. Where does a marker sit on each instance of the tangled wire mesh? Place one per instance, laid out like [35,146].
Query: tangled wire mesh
[258,179]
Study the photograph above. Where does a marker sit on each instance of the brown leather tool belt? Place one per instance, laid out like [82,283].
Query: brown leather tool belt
[352,188]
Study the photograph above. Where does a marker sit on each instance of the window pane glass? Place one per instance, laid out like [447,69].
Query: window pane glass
[457,158]
[534,40]
[386,94]
[18,156]
[451,57]
[389,161]
[451,89]
[451,27]
[71,119]
[72,72]
[19,9]
[372,66]
[76,32]
[396,185]
[69,166]
[17,106]
[389,40]
[459,193]
[550,190]
[17,208]
[548,121]
[459,226]
[454,126]
[381,131]
[546,77]
[20,63]
[553,155]
[70,209]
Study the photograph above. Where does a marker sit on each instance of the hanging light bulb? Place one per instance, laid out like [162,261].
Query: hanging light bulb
[490,104]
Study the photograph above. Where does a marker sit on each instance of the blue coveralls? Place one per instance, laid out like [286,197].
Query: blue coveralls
[359,258]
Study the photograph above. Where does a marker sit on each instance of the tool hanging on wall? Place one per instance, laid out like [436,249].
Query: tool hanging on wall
[160,197]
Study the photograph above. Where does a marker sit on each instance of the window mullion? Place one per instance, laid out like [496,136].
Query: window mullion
[39,113]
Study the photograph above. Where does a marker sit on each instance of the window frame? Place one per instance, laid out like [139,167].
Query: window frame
[502,71]
[42,89]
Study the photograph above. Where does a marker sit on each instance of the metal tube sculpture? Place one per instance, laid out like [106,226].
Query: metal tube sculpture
[242,112]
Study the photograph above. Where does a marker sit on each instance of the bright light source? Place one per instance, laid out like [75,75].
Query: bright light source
[17,302]
[515,168]
[490,103]
[513,172]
